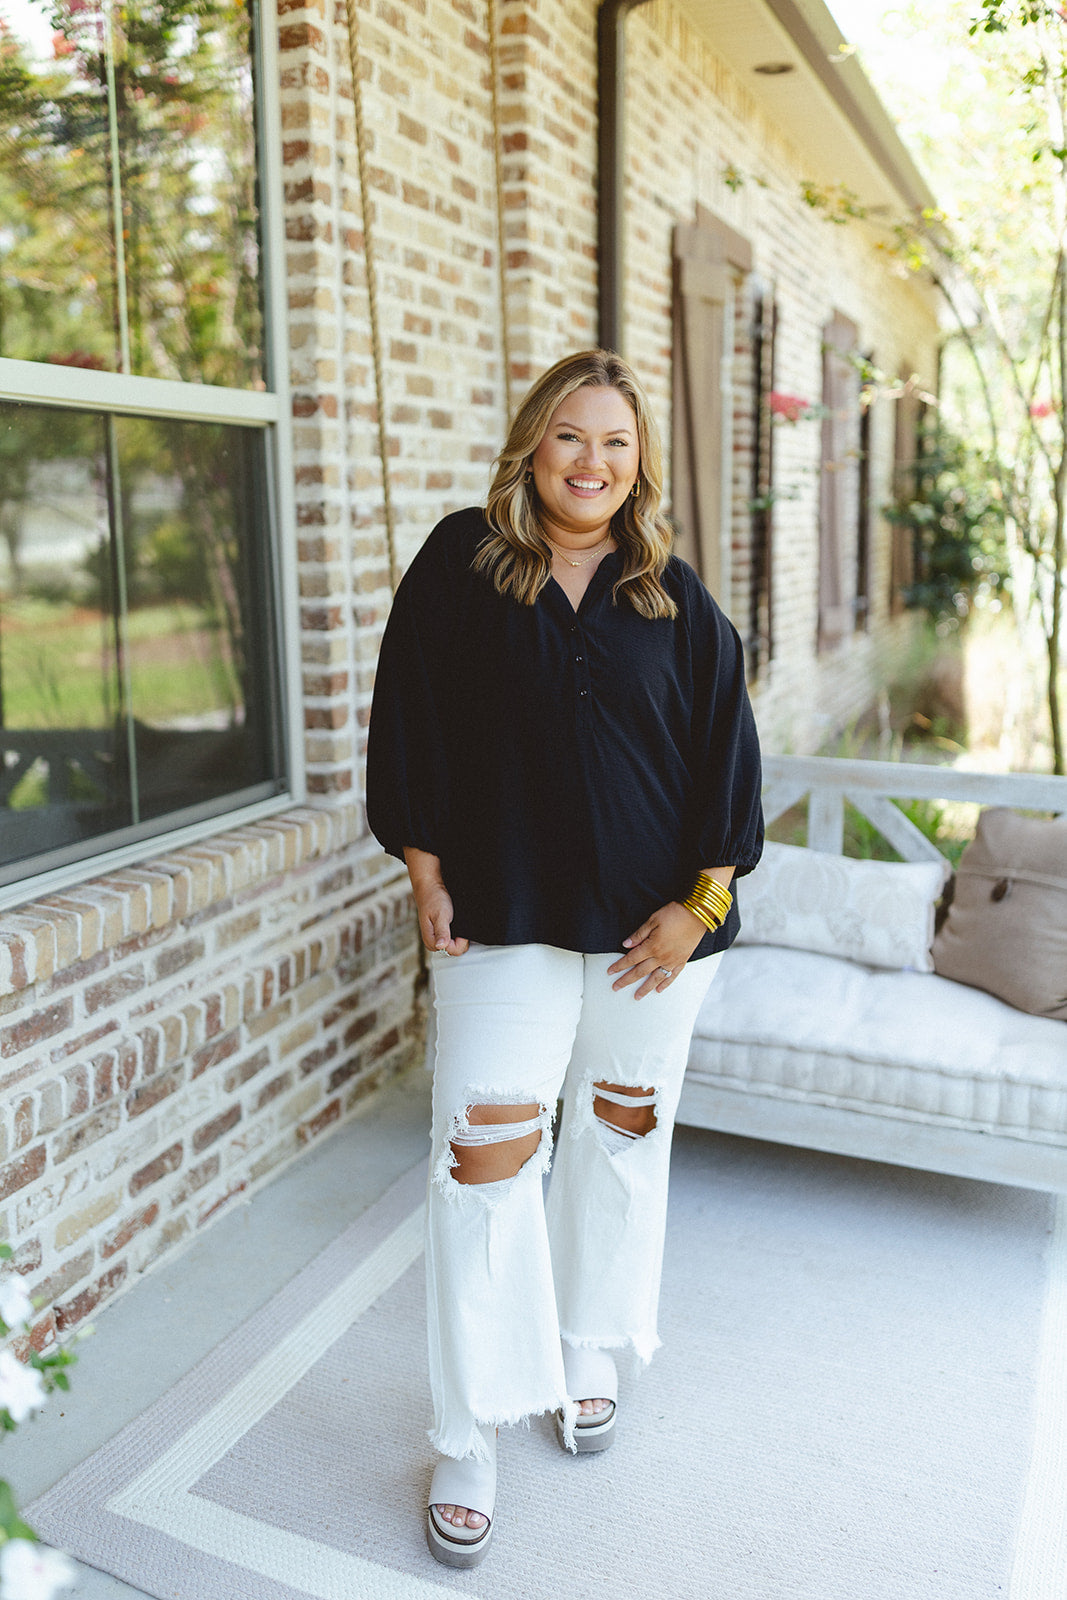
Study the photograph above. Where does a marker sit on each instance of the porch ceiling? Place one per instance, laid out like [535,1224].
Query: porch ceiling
[826,107]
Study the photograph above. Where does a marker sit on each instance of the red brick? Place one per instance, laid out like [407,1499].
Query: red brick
[409,129]
[127,1060]
[28,1257]
[23,1121]
[17,1174]
[64,1278]
[213,1130]
[306,1131]
[119,1237]
[329,782]
[42,1334]
[73,1140]
[210,1055]
[103,1070]
[244,1070]
[270,1091]
[300,36]
[32,1030]
[223,1200]
[387,1042]
[195,1178]
[356,1030]
[79,1097]
[77,973]
[163,1164]
[343,1073]
[317,1058]
[175,957]
[150,1094]
[78,1046]
[69,1314]
[114,989]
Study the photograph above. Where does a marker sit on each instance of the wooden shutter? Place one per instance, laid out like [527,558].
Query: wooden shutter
[707,255]
[837,481]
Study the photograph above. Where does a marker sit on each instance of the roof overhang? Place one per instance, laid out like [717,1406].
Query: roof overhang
[824,106]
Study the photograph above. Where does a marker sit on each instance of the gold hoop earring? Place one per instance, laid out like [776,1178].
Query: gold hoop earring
[636,490]
[528,476]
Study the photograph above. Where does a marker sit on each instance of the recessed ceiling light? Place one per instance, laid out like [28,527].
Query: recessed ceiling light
[774,69]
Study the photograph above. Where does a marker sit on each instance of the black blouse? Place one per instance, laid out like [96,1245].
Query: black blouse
[572,770]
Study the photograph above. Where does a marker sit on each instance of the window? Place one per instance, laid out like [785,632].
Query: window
[907,436]
[760,644]
[140,685]
[863,504]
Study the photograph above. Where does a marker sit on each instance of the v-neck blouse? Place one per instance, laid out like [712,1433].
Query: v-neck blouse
[573,769]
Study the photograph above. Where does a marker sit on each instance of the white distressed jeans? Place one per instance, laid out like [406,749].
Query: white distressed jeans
[508,1275]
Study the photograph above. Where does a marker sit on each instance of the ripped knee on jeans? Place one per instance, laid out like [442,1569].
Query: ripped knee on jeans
[491,1143]
[624,1113]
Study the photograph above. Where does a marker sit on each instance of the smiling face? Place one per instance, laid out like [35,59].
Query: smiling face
[586,465]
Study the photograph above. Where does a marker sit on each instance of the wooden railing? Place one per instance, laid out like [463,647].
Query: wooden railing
[828,782]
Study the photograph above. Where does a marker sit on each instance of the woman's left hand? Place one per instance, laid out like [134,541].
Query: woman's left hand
[658,948]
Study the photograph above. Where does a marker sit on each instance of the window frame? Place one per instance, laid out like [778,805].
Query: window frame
[269,411]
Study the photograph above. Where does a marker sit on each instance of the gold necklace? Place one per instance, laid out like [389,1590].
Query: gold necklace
[598,551]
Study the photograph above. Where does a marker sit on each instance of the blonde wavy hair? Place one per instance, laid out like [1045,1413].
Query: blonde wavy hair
[516,556]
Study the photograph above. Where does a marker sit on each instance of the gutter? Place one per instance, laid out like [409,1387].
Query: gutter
[817,36]
[611,169]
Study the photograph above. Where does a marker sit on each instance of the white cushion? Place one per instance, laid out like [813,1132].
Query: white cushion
[812,1027]
[877,912]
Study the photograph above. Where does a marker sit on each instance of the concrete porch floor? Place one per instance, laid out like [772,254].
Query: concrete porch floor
[171,1318]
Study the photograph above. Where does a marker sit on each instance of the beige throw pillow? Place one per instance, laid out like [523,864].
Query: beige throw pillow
[880,913]
[1006,930]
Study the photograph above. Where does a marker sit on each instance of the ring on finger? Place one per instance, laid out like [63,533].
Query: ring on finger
[668,972]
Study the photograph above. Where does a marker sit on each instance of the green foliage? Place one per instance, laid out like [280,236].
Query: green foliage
[11,1524]
[836,202]
[176,82]
[952,507]
[862,840]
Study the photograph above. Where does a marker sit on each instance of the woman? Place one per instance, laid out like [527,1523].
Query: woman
[563,753]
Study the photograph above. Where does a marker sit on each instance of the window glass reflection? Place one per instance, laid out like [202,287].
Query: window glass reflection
[198,644]
[138,670]
[63,768]
[128,201]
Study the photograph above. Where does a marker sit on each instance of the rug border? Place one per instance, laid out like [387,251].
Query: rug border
[78,1513]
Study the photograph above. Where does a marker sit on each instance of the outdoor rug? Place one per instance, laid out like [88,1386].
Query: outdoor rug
[862,1395]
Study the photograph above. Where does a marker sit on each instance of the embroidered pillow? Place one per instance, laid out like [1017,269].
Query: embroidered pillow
[880,913]
[1006,929]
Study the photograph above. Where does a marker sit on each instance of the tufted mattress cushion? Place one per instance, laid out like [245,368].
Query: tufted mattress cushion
[801,1026]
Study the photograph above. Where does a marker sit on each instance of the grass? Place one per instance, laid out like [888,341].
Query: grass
[59,669]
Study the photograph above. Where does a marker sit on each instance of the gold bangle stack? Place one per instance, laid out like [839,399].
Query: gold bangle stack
[709,900]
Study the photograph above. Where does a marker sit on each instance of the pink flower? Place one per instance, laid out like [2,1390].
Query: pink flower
[1042,408]
[791,407]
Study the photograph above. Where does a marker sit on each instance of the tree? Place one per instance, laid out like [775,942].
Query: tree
[997,150]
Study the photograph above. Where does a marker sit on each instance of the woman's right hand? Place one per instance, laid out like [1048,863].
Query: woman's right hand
[433,902]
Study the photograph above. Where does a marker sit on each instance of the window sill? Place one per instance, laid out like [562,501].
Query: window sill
[52,934]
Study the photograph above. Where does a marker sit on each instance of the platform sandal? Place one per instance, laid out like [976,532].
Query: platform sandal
[468,1483]
[590,1375]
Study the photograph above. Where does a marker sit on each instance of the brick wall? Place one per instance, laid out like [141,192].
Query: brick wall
[683,144]
[171,1035]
